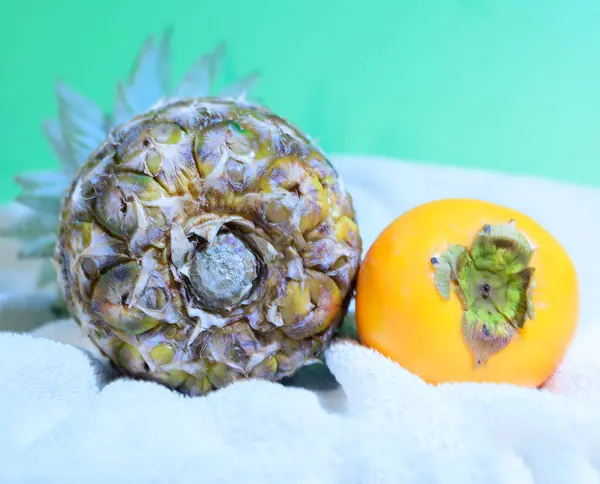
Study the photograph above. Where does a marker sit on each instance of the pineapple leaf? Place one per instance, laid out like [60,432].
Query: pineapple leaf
[240,88]
[196,82]
[146,84]
[31,226]
[40,179]
[216,60]
[43,200]
[42,247]
[48,274]
[83,123]
[54,136]
[164,61]
[122,112]
[25,312]
[199,79]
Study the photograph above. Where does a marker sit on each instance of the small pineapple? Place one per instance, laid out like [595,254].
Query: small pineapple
[202,239]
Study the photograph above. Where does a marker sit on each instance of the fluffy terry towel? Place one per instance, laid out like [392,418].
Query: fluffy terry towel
[65,418]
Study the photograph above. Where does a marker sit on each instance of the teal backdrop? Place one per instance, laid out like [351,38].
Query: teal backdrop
[498,84]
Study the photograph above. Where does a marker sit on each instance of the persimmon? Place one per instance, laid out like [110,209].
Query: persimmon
[461,290]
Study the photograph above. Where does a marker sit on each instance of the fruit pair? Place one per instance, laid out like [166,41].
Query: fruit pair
[203,239]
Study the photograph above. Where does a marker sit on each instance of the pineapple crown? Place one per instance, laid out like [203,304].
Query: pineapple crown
[82,126]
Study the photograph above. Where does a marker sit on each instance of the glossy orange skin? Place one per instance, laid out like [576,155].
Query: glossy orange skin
[400,313]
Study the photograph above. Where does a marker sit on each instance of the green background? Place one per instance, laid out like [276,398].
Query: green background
[506,84]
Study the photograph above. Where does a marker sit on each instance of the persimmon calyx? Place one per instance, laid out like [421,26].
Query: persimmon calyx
[494,283]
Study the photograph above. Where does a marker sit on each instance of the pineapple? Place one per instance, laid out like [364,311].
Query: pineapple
[201,239]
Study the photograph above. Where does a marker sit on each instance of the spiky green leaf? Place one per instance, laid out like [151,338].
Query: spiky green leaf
[47,275]
[217,60]
[83,124]
[144,86]
[164,60]
[31,226]
[196,82]
[53,133]
[243,87]
[23,312]
[42,247]
[122,112]
[40,179]
[199,79]
[45,200]
[147,83]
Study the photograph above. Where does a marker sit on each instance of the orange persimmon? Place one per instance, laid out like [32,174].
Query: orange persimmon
[467,290]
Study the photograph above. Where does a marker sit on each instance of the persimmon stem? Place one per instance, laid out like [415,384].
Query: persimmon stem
[494,283]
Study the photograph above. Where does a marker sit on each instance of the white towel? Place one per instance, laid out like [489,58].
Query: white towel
[64,418]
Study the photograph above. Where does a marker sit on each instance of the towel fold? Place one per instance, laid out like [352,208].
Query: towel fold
[64,422]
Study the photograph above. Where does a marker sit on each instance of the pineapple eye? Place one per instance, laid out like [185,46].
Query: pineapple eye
[86,234]
[154,298]
[110,297]
[339,263]
[278,211]
[236,171]
[113,212]
[285,144]
[210,143]
[167,133]
[162,354]
[89,267]
[154,162]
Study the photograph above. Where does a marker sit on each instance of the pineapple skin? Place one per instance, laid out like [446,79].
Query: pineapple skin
[208,176]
